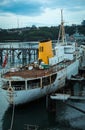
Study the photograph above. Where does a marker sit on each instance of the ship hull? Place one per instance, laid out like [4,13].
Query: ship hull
[24,96]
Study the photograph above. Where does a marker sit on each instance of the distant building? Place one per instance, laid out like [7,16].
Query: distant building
[83,22]
[78,36]
[73,25]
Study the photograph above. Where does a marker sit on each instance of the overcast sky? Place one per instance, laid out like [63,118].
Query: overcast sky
[24,13]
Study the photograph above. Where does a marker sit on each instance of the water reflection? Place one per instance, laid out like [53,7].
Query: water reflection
[32,113]
[35,113]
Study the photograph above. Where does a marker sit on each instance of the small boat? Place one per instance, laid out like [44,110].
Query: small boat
[60,96]
[44,76]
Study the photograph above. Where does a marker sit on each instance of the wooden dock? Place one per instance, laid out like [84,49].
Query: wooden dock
[25,54]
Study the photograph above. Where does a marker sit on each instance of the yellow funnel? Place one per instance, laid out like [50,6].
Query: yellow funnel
[45,51]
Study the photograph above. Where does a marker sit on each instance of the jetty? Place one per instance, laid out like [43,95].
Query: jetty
[25,54]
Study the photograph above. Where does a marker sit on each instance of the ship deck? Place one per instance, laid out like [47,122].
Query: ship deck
[35,72]
[25,73]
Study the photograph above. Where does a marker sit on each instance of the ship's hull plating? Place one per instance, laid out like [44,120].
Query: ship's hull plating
[23,96]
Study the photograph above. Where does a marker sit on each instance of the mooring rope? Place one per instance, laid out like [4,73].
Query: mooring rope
[12,120]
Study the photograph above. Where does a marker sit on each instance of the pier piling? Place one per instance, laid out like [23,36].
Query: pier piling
[26,55]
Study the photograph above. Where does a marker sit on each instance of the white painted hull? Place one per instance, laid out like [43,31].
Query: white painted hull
[23,96]
[72,69]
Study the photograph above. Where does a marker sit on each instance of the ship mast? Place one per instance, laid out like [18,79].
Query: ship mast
[62,30]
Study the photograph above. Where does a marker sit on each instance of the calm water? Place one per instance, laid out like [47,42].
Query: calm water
[35,113]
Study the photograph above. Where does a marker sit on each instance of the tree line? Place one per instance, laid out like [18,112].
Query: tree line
[37,33]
